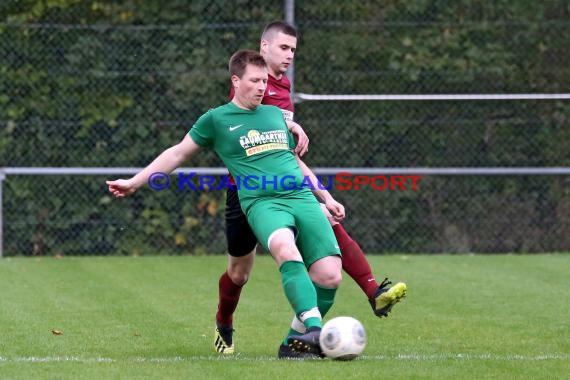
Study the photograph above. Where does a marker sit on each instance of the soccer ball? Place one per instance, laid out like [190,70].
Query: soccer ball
[342,338]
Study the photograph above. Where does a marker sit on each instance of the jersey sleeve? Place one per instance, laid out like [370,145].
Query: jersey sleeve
[203,131]
[291,139]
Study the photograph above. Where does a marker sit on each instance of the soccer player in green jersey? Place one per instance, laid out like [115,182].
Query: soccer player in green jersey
[278,45]
[255,145]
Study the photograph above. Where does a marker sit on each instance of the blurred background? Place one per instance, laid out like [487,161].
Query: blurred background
[104,84]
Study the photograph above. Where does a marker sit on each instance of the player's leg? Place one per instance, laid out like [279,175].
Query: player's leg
[300,292]
[276,234]
[325,275]
[241,253]
[230,286]
[380,296]
[296,282]
[320,252]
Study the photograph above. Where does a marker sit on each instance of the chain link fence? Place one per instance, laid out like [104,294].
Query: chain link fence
[101,84]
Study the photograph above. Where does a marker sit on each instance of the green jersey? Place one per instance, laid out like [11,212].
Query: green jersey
[256,147]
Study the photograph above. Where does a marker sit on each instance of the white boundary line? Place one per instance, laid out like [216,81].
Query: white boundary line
[177,359]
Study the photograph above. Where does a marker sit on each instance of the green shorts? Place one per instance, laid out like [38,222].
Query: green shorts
[314,235]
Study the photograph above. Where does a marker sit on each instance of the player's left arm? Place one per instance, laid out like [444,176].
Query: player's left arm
[334,207]
[301,137]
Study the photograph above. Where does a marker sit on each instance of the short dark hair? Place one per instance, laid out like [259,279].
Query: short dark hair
[275,27]
[241,58]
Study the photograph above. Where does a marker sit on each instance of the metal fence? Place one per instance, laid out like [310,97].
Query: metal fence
[111,85]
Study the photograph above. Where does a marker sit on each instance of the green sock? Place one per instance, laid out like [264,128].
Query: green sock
[298,287]
[325,298]
[299,291]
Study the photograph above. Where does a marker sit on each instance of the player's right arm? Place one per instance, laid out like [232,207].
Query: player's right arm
[166,162]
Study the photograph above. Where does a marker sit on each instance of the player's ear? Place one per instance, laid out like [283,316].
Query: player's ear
[263,45]
[235,81]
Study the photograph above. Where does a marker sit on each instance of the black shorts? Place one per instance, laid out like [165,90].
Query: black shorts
[241,239]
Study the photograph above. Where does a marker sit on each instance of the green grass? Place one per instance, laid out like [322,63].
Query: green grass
[483,317]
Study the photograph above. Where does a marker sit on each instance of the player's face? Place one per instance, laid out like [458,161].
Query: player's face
[279,53]
[249,89]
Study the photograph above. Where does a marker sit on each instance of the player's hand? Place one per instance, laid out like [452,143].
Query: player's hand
[336,209]
[121,187]
[300,136]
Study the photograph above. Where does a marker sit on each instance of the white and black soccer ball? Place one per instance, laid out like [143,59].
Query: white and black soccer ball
[343,338]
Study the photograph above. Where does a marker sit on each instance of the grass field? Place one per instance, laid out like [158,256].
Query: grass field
[472,317]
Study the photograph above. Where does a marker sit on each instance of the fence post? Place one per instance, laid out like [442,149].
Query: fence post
[2,177]
[289,10]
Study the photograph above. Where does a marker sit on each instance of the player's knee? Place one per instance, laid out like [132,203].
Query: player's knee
[239,268]
[333,279]
[326,273]
[239,274]
[329,280]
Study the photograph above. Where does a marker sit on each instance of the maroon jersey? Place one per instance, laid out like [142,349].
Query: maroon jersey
[278,93]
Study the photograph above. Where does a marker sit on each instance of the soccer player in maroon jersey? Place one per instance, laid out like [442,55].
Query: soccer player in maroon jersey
[278,45]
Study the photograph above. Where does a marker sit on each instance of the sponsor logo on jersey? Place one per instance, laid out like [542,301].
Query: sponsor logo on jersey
[255,142]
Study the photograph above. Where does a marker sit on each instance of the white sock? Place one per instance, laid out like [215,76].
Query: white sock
[297,325]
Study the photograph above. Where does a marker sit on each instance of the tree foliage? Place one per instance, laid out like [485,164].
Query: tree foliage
[106,83]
